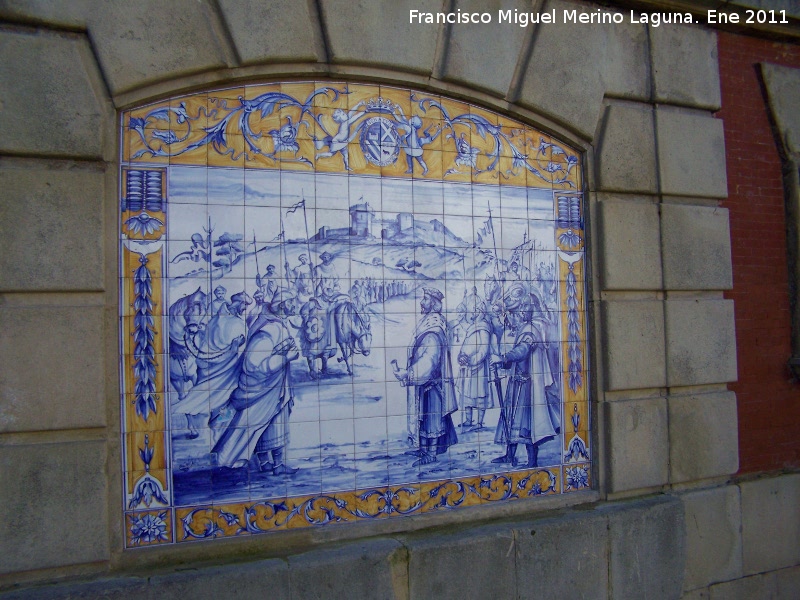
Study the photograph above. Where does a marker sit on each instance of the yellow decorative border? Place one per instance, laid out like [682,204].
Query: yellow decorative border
[293,126]
[247,518]
[325,127]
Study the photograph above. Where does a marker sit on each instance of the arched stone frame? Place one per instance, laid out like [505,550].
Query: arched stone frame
[99,66]
[147,148]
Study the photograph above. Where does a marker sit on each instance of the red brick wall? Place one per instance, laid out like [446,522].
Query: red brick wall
[768,399]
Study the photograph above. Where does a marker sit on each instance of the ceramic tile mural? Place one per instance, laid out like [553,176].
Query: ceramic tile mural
[343,302]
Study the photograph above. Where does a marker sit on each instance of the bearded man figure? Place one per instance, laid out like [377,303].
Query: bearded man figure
[525,417]
[429,379]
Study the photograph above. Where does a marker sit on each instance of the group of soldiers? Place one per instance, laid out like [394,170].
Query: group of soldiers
[246,344]
[304,281]
[232,369]
[369,291]
[505,342]
[526,418]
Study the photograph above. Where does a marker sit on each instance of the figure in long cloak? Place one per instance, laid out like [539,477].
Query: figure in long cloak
[255,419]
[525,418]
[216,347]
[429,379]
[474,357]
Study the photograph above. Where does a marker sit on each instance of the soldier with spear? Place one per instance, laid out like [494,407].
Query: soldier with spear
[524,416]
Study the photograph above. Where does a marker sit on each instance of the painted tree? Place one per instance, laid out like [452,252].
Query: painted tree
[229,250]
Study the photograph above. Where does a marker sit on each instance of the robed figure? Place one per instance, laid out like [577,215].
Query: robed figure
[318,331]
[525,417]
[474,361]
[255,419]
[215,350]
[429,379]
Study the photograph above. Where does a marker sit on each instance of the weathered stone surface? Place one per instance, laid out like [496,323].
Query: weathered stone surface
[267,578]
[713,536]
[685,66]
[638,443]
[770,523]
[117,588]
[696,246]
[783,90]
[626,150]
[54,502]
[51,368]
[362,570]
[142,42]
[701,342]
[634,344]
[65,14]
[698,594]
[648,549]
[630,252]
[564,79]
[703,436]
[759,586]
[691,154]
[357,33]
[253,580]
[486,54]
[61,214]
[48,102]
[286,31]
[626,73]
[788,583]
[569,553]
[479,562]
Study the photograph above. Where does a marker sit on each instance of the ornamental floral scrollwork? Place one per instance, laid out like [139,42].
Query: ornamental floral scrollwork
[379,127]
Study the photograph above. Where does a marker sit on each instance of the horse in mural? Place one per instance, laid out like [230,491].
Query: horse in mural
[328,325]
[353,333]
[185,314]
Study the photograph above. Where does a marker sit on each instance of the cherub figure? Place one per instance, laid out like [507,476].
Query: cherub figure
[413,143]
[338,142]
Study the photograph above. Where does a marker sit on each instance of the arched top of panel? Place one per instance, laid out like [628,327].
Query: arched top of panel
[360,129]
[345,302]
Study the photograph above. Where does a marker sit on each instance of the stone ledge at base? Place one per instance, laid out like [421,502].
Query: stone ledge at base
[575,547]
[776,585]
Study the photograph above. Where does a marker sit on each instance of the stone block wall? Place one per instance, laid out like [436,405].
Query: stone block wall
[665,520]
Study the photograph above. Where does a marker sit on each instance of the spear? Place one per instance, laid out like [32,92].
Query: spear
[464,270]
[282,251]
[494,239]
[210,256]
[255,251]
[499,391]
[308,244]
